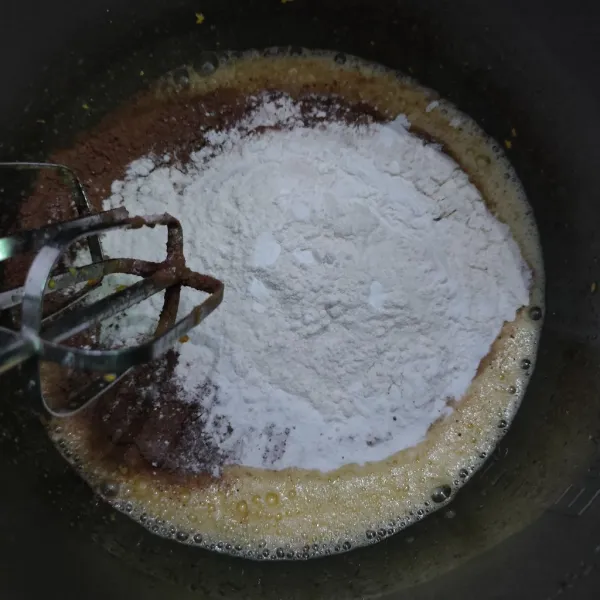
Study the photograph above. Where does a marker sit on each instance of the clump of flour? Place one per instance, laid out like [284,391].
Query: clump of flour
[364,282]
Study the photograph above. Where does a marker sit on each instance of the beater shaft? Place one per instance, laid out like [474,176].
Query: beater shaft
[42,337]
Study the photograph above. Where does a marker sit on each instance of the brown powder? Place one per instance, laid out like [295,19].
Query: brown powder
[142,426]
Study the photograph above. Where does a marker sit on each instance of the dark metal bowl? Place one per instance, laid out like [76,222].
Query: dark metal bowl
[531,66]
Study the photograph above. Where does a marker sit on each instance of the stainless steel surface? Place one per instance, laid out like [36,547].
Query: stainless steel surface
[42,338]
[21,243]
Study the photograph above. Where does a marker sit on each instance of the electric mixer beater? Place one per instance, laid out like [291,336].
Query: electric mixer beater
[40,337]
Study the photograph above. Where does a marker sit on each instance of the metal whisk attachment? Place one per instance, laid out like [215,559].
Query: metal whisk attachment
[41,337]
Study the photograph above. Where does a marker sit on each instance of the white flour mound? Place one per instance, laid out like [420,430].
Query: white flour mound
[364,282]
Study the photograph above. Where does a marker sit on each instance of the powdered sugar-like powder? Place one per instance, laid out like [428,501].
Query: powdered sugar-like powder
[364,282]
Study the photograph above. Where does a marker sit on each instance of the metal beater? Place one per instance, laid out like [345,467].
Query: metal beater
[40,337]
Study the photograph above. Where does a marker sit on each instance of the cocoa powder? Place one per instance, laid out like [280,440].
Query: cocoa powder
[142,425]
